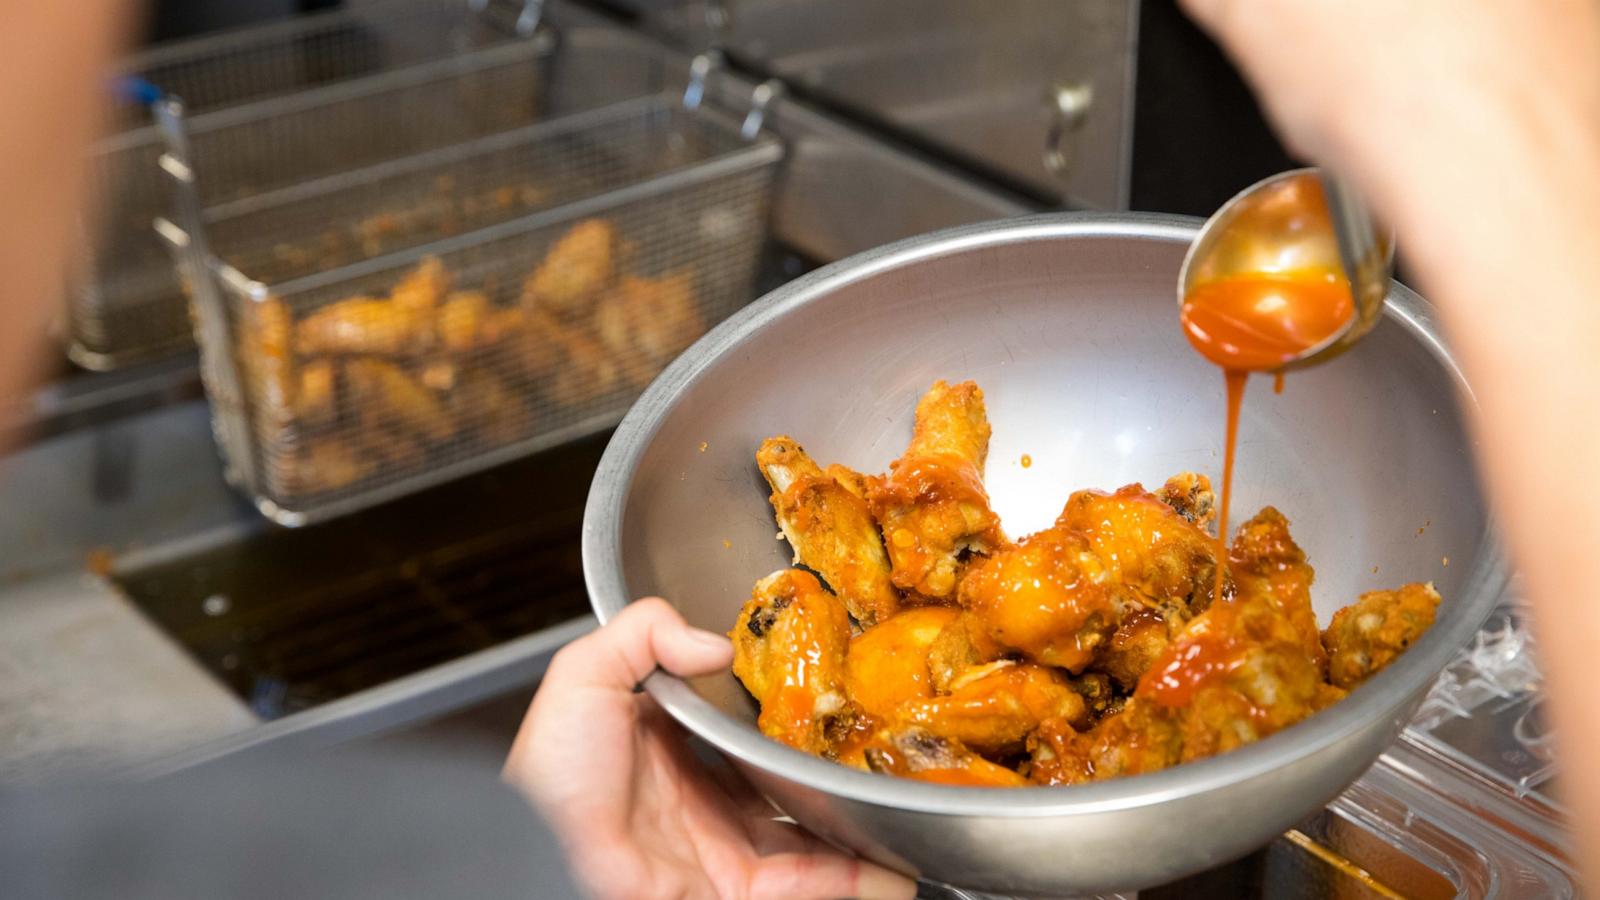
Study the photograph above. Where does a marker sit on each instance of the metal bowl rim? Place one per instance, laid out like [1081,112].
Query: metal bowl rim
[1385,696]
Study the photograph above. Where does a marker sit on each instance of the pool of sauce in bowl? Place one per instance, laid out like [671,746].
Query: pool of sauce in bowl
[1259,322]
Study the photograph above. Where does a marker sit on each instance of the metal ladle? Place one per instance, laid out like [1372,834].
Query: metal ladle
[1305,219]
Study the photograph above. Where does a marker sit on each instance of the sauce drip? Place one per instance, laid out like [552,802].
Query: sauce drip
[1257,322]
[1235,380]
[1277,382]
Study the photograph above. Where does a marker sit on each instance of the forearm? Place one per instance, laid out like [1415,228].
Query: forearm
[1506,239]
[56,57]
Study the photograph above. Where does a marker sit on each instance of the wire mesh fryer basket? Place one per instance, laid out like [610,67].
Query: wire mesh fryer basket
[470,330]
[124,304]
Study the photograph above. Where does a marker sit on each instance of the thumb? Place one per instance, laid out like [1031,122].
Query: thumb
[646,634]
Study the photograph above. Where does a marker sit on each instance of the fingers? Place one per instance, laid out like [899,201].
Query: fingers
[823,876]
[647,633]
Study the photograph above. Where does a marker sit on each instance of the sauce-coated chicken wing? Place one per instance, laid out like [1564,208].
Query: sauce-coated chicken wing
[1371,632]
[1046,598]
[789,651]
[887,666]
[1238,672]
[932,505]
[994,708]
[962,645]
[921,755]
[1143,543]
[830,529]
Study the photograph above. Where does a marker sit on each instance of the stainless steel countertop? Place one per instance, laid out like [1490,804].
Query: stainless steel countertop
[85,679]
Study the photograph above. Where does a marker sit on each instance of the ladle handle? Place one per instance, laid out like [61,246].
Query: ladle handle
[1366,251]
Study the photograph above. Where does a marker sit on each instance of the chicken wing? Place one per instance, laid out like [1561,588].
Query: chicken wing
[961,646]
[1144,544]
[830,529]
[266,355]
[1238,672]
[1243,669]
[324,464]
[1371,632]
[316,394]
[579,266]
[932,505]
[363,326]
[481,404]
[396,397]
[1190,496]
[789,647]
[924,756]
[418,294]
[461,320]
[887,665]
[647,322]
[1272,572]
[1046,597]
[586,371]
[994,708]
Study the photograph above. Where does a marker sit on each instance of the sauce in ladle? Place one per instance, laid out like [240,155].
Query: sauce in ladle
[1258,323]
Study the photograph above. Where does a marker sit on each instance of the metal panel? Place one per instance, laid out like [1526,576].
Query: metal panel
[990,83]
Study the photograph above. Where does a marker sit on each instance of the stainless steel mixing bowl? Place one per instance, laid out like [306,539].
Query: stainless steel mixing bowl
[1066,321]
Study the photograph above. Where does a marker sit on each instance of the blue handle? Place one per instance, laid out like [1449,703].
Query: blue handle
[133,89]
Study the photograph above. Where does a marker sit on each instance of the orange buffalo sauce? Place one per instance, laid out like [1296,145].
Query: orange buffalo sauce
[1257,323]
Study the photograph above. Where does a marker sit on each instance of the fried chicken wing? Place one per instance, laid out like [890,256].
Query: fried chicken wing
[647,322]
[363,326]
[481,404]
[417,294]
[932,505]
[1144,544]
[1238,672]
[1046,597]
[325,464]
[386,389]
[316,394]
[461,319]
[1271,569]
[994,708]
[1243,670]
[1372,632]
[266,355]
[789,647]
[887,665]
[579,266]
[585,370]
[1190,496]
[963,645]
[830,529]
[920,754]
